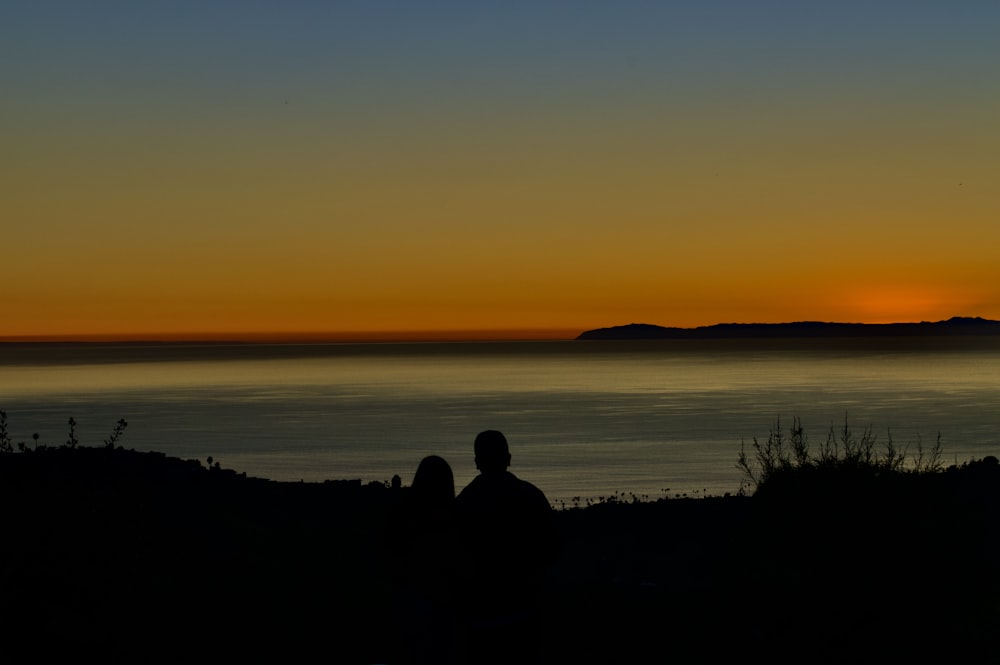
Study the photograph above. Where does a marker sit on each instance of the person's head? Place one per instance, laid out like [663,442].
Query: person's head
[492,453]
[434,481]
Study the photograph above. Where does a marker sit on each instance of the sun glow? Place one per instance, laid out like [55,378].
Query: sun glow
[892,304]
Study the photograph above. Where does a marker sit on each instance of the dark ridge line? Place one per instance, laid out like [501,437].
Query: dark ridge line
[955,326]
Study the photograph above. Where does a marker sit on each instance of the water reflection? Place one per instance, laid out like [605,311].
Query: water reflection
[586,423]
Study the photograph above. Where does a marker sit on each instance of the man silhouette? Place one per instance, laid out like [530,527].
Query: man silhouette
[510,538]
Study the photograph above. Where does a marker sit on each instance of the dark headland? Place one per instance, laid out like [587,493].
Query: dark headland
[953,327]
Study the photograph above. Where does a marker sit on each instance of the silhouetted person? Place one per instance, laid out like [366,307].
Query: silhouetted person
[510,538]
[428,561]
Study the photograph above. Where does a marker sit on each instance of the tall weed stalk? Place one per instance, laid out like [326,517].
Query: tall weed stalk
[843,449]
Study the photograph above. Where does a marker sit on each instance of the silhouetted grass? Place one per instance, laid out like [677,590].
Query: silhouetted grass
[843,451]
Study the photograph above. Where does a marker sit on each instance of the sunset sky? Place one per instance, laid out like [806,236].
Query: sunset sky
[195,168]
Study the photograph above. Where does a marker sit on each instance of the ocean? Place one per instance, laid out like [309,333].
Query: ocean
[584,420]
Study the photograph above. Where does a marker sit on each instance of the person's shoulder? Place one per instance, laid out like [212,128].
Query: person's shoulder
[470,490]
[530,489]
[525,484]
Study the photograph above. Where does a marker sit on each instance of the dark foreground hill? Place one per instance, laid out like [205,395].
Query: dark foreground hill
[136,557]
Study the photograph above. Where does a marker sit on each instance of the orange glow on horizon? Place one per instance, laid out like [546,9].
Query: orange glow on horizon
[882,307]
[894,304]
[377,336]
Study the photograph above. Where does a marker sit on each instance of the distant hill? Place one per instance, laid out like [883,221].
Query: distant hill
[956,326]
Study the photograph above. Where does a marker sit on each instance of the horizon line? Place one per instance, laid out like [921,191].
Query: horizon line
[379,336]
[327,337]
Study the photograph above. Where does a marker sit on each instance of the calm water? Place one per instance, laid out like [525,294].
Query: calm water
[583,419]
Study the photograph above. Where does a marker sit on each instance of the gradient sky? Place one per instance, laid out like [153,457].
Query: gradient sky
[192,167]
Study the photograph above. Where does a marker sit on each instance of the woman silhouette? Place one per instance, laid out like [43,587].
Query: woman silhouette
[428,565]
